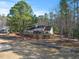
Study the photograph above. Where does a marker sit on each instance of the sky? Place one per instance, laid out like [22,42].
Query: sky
[39,6]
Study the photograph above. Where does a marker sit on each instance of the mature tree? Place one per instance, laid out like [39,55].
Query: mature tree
[75,17]
[53,21]
[64,10]
[51,16]
[46,18]
[35,19]
[20,17]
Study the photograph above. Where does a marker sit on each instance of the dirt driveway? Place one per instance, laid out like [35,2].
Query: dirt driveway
[9,55]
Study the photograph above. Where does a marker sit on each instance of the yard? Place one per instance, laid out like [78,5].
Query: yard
[38,49]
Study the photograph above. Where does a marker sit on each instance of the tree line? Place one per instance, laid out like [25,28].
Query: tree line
[67,19]
[65,22]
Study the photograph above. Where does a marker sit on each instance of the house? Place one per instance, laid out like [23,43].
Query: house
[39,29]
